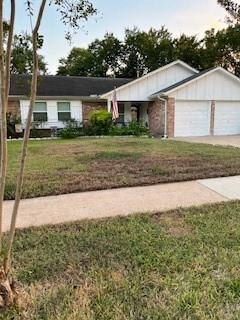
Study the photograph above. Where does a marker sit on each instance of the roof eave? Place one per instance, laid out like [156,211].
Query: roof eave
[85,98]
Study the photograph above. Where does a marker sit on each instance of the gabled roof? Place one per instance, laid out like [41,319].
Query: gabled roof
[191,79]
[151,74]
[64,86]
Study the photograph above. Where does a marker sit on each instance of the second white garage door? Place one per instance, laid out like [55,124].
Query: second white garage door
[192,118]
[227,118]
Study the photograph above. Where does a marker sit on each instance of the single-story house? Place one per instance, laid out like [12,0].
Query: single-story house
[175,100]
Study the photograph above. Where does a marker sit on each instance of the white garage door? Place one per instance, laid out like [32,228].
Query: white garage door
[192,118]
[227,118]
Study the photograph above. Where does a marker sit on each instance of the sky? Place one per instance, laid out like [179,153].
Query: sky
[179,16]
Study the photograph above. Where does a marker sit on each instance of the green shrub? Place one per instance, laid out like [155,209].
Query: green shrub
[12,120]
[71,130]
[100,123]
[132,129]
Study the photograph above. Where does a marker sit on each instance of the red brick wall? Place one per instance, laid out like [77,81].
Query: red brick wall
[14,107]
[156,117]
[88,107]
[170,117]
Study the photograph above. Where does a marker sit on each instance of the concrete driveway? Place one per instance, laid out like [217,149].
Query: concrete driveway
[233,141]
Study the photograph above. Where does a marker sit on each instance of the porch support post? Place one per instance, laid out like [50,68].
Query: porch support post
[109,105]
[212,120]
[156,117]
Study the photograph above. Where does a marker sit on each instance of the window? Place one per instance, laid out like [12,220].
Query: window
[40,112]
[121,113]
[64,111]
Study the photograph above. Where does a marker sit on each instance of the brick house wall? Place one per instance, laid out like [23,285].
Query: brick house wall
[156,117]
[14,107]
[170,117]
[88,107]
[156,112]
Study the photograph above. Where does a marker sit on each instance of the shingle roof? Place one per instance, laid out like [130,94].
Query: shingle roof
[177,84]
[64,85]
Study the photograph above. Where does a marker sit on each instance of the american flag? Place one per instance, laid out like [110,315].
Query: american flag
[115,113]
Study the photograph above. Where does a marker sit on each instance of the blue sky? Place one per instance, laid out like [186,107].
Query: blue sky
[188,16]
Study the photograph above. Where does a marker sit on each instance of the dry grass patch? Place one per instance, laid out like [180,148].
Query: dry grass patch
[174,222]
[57,167]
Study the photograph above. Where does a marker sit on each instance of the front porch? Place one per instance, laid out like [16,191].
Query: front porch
[133,111]
[152,114]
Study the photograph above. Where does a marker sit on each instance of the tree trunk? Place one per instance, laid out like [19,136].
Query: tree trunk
[8,292]
[3,156]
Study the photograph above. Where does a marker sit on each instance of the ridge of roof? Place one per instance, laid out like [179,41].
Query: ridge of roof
[71,77]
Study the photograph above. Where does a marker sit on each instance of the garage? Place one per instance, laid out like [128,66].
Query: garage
[207,103]
[227,118]
[192,118]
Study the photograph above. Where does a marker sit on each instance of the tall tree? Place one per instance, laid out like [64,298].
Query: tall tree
[233,10]
[78,63]
[146,51]
[188,49]
[222,48]
[102,58]
[107,55]
[72,12]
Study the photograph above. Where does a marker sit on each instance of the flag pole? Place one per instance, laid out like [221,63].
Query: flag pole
[115,112]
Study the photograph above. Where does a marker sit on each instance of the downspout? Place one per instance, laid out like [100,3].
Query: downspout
[165,116]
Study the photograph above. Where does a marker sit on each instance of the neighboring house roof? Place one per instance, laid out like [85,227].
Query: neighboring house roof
[64,86]
[151,74]
[191,79]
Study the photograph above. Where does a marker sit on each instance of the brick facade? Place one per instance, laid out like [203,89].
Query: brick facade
[14,107]
[88,107]
[156,118]
[170,117]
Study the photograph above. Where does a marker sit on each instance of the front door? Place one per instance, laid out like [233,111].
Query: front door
[135,111]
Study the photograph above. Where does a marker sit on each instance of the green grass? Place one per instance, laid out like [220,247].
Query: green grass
[64,166]
[182,264]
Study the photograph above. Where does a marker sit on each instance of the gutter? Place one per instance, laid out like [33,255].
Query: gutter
[60,98]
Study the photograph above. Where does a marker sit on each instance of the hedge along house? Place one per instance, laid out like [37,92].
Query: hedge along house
[175,100]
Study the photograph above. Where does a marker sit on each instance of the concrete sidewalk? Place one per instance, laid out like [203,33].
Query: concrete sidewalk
[110,203]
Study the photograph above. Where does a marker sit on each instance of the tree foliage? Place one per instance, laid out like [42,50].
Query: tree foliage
[222,48]
[21,60]
[78,62]
[233,10]
[141,52]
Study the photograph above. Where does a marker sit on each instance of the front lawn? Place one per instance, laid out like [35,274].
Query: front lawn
[64,166]
[182,264]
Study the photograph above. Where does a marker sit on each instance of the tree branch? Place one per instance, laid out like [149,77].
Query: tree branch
[9,48]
